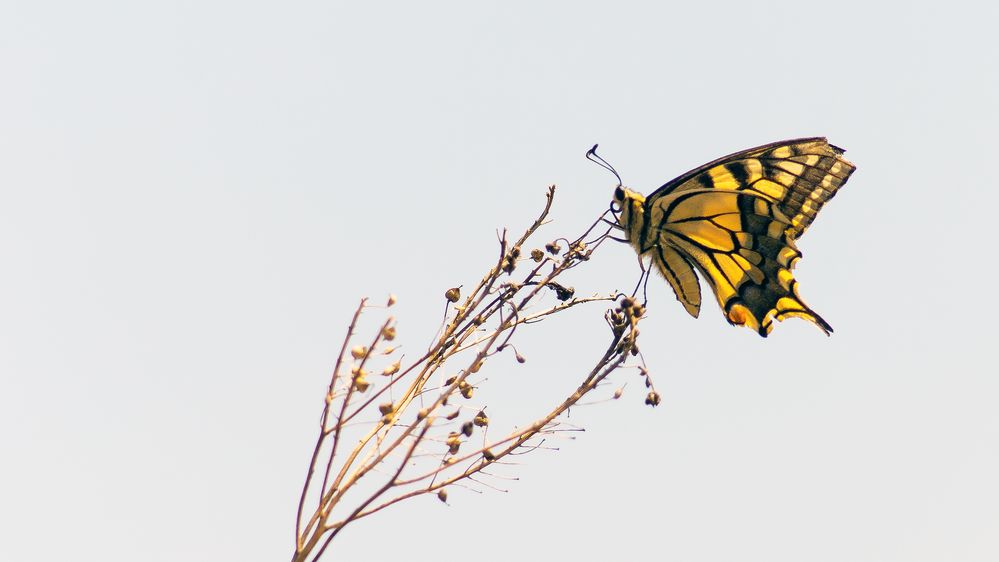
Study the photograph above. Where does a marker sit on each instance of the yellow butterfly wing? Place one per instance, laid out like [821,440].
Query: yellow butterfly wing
[799,176]
[736,221]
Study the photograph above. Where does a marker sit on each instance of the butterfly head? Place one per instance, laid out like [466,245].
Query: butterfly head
[627,205]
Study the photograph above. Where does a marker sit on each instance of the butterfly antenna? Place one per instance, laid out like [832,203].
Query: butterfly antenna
[592,156]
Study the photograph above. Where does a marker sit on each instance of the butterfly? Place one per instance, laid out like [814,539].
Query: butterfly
[736,220]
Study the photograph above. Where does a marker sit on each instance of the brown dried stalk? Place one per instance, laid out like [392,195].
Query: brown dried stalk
[401,451]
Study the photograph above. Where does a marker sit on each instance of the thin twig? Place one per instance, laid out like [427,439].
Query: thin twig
[394,452]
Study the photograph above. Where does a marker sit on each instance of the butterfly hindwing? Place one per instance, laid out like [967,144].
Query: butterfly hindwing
[679,273]
[739,243]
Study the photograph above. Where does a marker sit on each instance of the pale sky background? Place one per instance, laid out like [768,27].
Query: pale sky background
[194,196]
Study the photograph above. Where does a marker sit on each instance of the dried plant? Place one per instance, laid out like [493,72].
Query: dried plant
[392,432]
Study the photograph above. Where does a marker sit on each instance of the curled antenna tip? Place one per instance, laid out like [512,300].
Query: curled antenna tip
[592,156]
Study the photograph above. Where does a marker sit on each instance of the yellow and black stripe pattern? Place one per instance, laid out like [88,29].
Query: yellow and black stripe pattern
[736,221]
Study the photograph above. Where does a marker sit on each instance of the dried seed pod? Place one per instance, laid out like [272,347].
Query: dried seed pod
[453,443]
[653,399]
[515,252]
[488,455]
[537,255]
[481,419]
[422,414]
[453,415]
[553,248]
[564,293]
[388,350]
[392,369]
[388,332]
[466,428]
[442,495]
[360,383]
[391,300]
[509,264]
[450,381]
[453,294]
[465,388]
[357,371]
[520,358]
[618,393]
[386,408]
[475,366]
[358,351]
[627,302]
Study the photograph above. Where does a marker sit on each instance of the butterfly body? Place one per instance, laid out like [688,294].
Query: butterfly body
[735,221]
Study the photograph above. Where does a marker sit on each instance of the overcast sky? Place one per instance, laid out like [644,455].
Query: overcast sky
[195,195]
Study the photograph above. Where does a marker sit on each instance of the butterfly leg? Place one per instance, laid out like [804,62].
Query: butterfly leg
[642,280]
[645,288]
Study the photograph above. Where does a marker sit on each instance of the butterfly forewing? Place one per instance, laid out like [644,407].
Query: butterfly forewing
[798,175]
